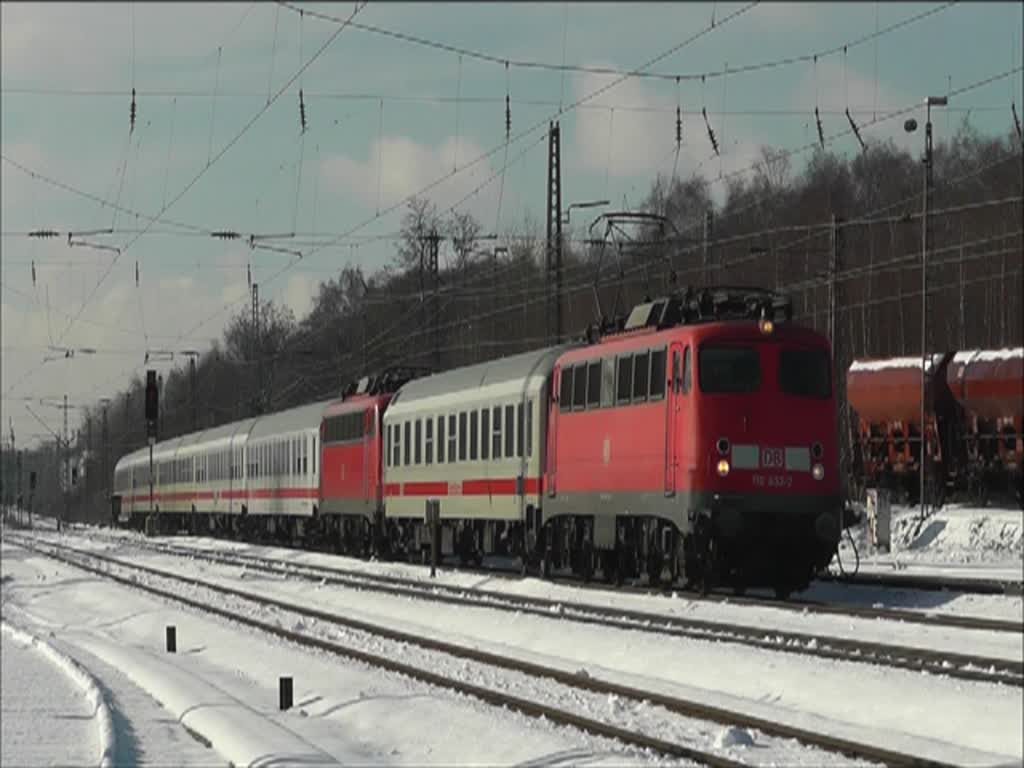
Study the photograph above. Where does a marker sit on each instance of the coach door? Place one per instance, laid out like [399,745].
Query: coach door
[551,457]
[672,388]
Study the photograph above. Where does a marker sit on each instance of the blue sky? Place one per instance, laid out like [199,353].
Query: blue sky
[67,71]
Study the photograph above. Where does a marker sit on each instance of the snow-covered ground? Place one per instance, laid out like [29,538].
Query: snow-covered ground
[957,540]
[219,691]
[862,702]
[46,717]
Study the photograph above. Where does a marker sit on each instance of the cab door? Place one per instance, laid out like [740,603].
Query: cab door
[672,390]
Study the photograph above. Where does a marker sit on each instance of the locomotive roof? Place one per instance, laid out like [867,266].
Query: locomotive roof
[512,368]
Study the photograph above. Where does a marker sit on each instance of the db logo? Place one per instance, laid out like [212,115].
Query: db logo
[772,457]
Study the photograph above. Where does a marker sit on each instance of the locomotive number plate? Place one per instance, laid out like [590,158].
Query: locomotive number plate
[773,458]
[772,481]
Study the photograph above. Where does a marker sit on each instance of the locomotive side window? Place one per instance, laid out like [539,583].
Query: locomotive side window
[805,373]
[419,441]
[565,395]
[428,449]
[607,381]
[657,374]
[641,375]
[687,372]
[485,434]
[594,384]
[474,433]
[625,379]
[732,370]
[579,387]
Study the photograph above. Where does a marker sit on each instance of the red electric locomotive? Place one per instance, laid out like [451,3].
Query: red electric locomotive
[699,440]
[352,480]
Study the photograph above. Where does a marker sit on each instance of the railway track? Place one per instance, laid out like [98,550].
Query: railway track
[931,583]
[970,667]
[127,574]
[797,606]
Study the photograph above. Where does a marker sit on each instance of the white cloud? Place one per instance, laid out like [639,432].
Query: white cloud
[642,140]
[835,89]
[397,167]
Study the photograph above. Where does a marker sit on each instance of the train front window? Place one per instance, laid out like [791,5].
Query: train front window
[805,373]
[729,370]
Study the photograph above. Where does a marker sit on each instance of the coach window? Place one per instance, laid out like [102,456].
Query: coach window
[387,445]
[657,387]
[440,440]
[418,457]
[407,440]
[428,448]
[510,431]
[485,434]
[463,442]
[474,434]
[625,379]
[397,460]
[594,384]
[579,387]
[496,415]
[565,397]
[520,426]
[451,438]
[641,375]
[314,455]
[529,427]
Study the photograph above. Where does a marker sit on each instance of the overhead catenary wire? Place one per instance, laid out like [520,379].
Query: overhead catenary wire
[596,70]
[224,150]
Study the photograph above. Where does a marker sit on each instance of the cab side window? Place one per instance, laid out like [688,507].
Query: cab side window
[687,372]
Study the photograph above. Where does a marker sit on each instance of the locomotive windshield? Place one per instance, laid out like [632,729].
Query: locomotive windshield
[805,373]
[729,370]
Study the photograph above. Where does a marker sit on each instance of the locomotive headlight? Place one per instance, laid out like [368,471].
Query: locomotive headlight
[723,467]
[766,326]
[818,471]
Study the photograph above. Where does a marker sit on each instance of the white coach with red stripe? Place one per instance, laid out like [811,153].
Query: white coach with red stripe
[472,438]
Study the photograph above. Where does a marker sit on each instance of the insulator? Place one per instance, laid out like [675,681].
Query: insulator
[711,132]
[33,274]
[136,273]
[508,117]
[856,131]
[821,133]
[131,113]
[302,112]
[679,126]
[248,275]
[1016,120]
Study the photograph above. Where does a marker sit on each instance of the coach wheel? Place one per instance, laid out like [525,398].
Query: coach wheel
[545,564]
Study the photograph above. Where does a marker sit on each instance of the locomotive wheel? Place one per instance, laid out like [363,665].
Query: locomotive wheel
[654,565]
[545,564]
[587,562]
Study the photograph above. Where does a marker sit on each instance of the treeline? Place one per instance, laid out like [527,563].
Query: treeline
[774,230]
